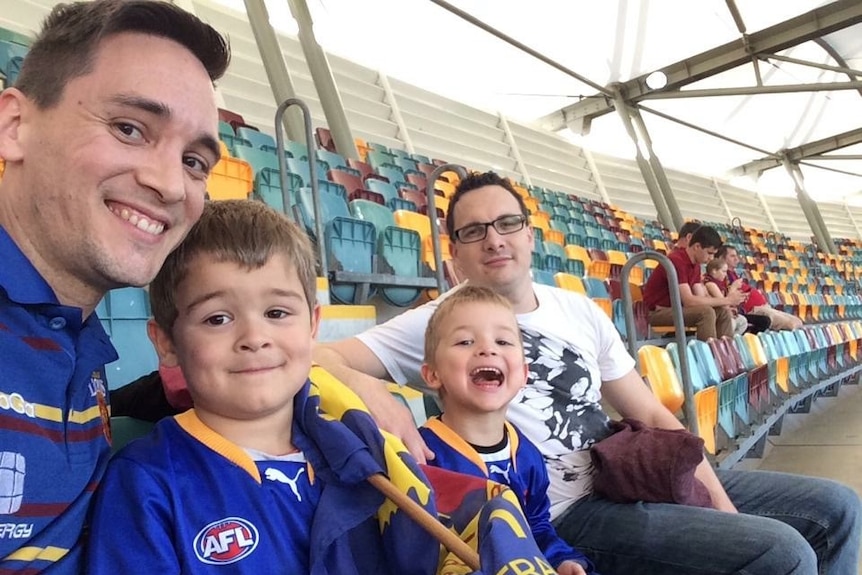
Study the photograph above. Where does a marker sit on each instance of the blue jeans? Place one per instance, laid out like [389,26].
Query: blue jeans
[787,524]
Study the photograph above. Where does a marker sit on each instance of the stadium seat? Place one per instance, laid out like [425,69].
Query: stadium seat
[570,282]
[657,369]
[124,313]
[267,188]
[401,250]
[258,139]
[350,246]
[231,179]
[324,139]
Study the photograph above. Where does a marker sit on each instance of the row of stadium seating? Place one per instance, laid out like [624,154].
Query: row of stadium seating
[743,386]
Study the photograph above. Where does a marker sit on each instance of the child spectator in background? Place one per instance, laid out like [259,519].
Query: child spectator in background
[715,280]
[756,304]
[475,360]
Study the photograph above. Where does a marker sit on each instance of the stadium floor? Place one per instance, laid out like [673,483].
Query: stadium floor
[827,442]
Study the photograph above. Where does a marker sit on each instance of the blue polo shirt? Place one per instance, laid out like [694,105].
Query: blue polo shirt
[54,421]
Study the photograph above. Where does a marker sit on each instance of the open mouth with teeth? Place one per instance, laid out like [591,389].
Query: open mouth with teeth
[487,377]
[139,221]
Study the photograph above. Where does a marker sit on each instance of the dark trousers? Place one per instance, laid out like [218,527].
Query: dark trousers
[757,323]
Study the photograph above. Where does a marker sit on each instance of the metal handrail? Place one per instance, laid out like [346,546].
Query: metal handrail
[312,172]
[678,323]
[432,209]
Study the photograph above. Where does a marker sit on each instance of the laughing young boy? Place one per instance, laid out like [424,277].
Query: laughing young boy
[475,360]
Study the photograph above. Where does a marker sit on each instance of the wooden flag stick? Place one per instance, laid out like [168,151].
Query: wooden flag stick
[426,520]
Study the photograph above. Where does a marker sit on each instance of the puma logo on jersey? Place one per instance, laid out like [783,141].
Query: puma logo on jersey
[277,475]
[503,472]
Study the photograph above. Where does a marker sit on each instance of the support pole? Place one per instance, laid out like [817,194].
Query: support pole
[273,62]
[809,208]
[324,82]
[657,168]
[646,170]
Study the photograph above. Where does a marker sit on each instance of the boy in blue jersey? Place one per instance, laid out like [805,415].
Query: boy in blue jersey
[475,360]
[224,484]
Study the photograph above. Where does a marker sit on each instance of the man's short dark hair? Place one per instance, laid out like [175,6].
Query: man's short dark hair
[722,251]
[66,46]
[707,237]
[475,181]
[689,228]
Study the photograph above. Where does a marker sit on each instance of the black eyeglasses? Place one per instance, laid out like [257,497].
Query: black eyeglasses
[504,225]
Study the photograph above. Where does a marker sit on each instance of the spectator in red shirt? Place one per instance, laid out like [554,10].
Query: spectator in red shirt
[709,315]
[685,233]
[756,304]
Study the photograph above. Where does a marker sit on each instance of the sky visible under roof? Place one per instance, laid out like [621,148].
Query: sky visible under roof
[606,41]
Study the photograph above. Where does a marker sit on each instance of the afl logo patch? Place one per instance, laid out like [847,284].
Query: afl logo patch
[225,541]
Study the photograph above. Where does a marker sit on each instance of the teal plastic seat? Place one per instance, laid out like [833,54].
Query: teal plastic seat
[257,139]
[544,277]
[267,188]
[697,381]
[350,246]
[333,204]
[401,250]
[258,159]
[385,189]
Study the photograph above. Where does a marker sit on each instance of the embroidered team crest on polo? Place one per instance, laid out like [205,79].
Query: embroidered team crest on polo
[99,391]
[226,541]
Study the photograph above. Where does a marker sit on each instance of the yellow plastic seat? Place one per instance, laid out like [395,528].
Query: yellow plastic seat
[570,282]
[755,348]
[657,368]
[231,179]
[541,220]
[447,188]
[706,410]
[555,236]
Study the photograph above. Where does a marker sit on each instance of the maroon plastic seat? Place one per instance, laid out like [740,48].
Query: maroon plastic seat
[324,140]
[232,118]
[363,194]
[364,169]
[350,182]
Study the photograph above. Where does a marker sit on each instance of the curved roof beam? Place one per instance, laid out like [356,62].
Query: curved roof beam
[814,24]
[827,47]
[810,150]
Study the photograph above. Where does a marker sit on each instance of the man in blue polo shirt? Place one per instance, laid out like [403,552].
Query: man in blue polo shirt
[107,154]
[711,316]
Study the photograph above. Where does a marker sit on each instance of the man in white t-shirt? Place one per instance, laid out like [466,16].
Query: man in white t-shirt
[761,520]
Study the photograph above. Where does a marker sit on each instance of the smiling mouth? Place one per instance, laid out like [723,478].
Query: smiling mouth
[487,376]
[139,221]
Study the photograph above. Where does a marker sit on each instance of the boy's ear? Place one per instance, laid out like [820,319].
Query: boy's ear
[163,343]
[526,375]
[315,321]
[429,374]
[11,103]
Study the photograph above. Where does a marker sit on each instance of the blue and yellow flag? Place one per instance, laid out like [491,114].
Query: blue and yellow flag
[345,447]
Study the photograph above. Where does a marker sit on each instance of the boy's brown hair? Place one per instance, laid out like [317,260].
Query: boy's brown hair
[244,232]
[463,295]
